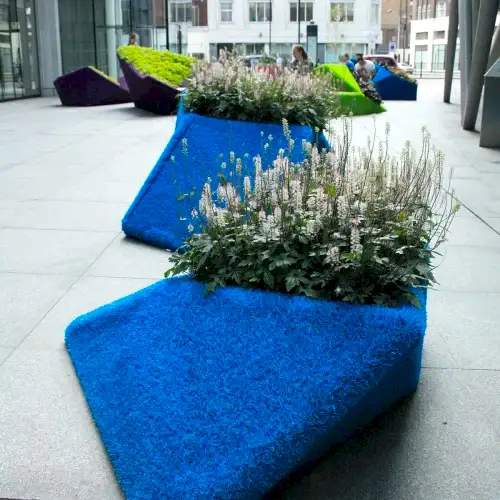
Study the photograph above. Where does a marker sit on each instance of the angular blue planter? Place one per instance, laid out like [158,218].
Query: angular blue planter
[392,87]
[222,397]
[154,216]
[86,87]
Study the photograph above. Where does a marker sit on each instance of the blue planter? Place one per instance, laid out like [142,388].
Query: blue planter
[392,87]
[221,397]
[154,216]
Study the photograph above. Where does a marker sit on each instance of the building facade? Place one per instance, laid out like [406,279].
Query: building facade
[396,18]
[262,26]
[42,39]
[429,36]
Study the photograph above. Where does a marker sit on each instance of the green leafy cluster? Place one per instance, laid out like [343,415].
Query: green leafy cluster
[161,64]
[229,90]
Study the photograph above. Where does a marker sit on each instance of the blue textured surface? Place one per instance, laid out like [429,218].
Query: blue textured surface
[221,397]
[154,216]
[394,88]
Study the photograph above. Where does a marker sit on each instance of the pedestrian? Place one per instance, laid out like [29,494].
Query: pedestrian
[301,61]
[132,39]
[279,61]
[347,61]
[364,68]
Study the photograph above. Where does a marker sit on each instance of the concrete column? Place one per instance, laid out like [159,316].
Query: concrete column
[49,45]
[465,21]
[111,38]
[451,49]
[495,48]
[482,45]
[490,138]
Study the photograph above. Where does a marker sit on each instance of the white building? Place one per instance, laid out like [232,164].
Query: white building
[428,42]
[263,26]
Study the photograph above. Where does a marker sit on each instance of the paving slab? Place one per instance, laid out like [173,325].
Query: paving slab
[50,251]
[87,294]
[24,300]
[439,444]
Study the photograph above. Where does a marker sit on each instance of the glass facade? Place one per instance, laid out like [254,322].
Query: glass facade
[92,30]
[19,75]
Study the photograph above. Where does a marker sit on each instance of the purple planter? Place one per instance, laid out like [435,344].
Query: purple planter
[148,93]
[86,87]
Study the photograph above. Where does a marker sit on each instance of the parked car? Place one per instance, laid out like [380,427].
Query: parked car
[389,61]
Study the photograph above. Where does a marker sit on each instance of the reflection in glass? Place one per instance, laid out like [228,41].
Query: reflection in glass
[19,75]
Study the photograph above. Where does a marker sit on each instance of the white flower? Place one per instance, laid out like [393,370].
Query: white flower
[257,161]
[247,185]
[342,208]
[194,213]
[184,146]
[239,165]
[356,246]
[286,130]
[332,255]
[223,165]
[231,156]
[190,228]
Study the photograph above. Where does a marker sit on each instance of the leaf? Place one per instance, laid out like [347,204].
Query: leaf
[181,197]
[331,190]
[412,299]
[269,279]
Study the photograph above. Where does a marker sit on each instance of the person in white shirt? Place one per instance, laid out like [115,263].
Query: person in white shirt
[279,61]
[365,69]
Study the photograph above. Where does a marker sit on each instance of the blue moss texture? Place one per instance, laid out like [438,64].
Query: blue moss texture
[221,397]
[392,87]
[154,216]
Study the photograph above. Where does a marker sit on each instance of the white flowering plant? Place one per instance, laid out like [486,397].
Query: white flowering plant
[228,89]
[354,225]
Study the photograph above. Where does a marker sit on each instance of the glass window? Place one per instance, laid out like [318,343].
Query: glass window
[375,13]
[306,11]
[226,12]
[181,11]
[419,12]
[441,9]
[420,56]
[438,57]
[342,12]
[423,35]
[429,11]
[439,35]
[19,75]
[260,12]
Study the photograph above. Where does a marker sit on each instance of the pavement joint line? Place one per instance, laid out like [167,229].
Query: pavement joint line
[73,283]
[471,211]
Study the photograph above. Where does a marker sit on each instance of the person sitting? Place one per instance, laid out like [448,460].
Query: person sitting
[364,68]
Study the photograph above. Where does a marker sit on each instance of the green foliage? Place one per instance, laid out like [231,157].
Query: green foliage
[163,65]
[228,89]
[357,227]
[110,78]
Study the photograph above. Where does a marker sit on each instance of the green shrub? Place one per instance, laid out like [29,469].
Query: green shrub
[354,226]
[230,90]
[161,64]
